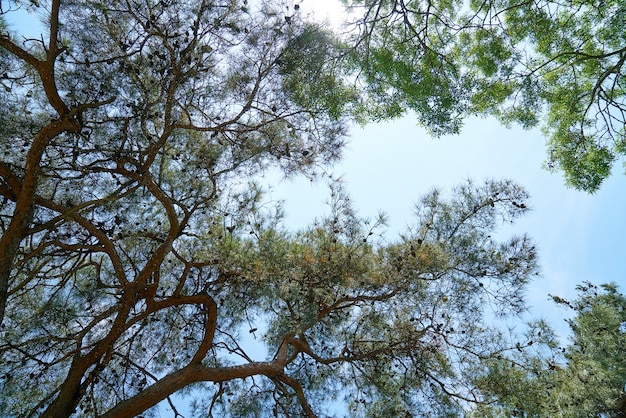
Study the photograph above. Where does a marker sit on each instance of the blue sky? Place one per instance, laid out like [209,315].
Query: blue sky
[388,166]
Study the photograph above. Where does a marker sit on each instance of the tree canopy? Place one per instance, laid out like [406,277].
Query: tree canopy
[550,63]
[586,378]
[138,257]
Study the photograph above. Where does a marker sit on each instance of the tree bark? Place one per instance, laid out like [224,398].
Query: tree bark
[24,204]
[192,373]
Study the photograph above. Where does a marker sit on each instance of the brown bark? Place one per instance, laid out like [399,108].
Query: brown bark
[24,204]
[69,393]
[192,373]
[297,387]
[196,372]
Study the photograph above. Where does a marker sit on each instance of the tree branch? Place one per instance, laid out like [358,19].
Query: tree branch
[297,387]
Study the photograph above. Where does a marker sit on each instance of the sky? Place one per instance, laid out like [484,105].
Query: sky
[388,166]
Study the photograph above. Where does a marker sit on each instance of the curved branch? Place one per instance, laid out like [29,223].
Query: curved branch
[193,373]
[24,203]
[297,387]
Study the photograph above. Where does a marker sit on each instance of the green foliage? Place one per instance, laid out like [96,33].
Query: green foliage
[401,65]
[585,163]
[306,64]
[127,145]
[554,63]
[587,378]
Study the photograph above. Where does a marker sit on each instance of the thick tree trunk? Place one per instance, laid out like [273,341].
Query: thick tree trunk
[22,216]
[24,204]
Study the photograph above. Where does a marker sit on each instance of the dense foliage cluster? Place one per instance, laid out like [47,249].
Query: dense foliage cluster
[554,63]
[587,378]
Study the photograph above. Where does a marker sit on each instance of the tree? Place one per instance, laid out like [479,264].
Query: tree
[138,255]
[587,378]
[525,62]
